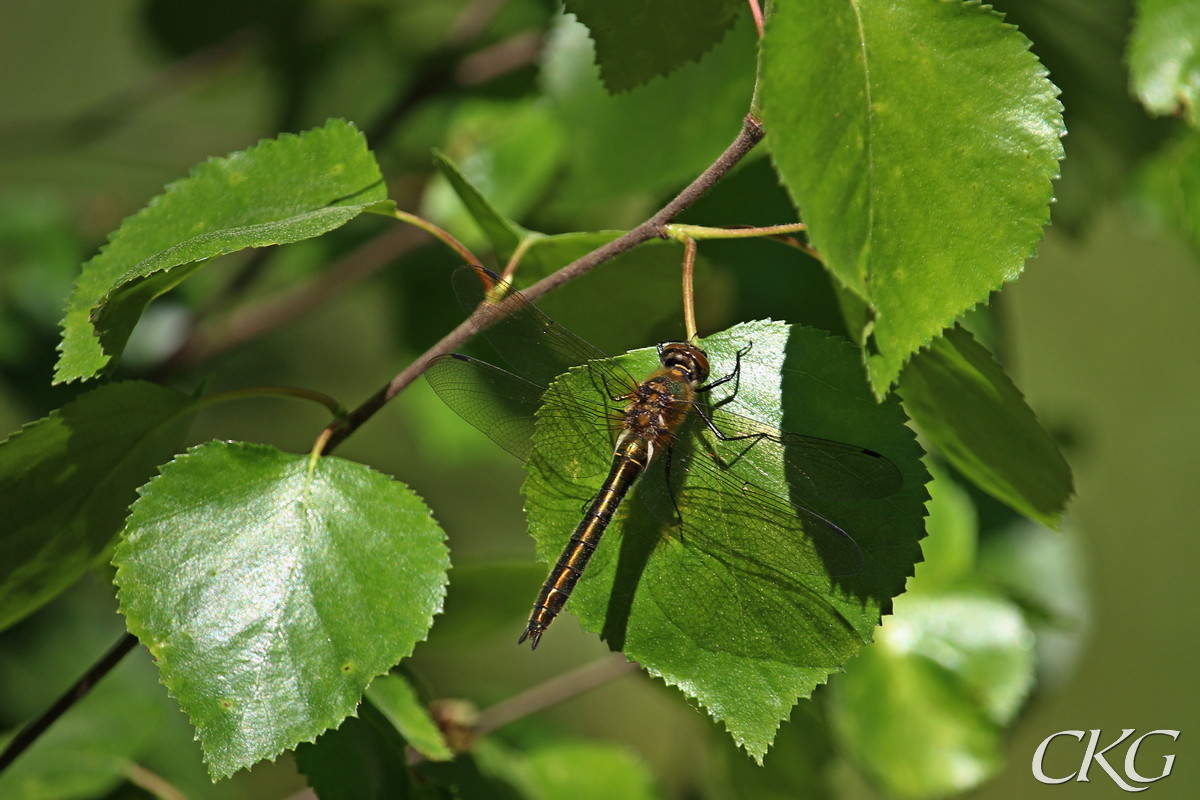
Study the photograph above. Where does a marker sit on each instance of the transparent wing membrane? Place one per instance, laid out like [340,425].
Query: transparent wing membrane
[720,487]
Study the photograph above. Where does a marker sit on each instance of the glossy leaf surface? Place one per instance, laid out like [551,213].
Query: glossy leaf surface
[270,595]
[279,191]
[918,141]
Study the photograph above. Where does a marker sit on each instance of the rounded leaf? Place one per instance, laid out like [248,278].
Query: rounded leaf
[751,602]
[271,592]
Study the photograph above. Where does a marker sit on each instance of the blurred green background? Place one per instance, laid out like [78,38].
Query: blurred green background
[102,103]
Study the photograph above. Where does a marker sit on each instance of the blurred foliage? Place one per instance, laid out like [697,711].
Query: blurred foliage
[107,103]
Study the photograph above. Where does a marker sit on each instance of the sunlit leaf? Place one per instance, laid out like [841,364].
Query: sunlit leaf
[921,711]
[271,594]
[281,190]
[968,407]
[581,771]
[396,699]
[918,141]
[636,40]
[1164,57]
[67,480]
[738,608]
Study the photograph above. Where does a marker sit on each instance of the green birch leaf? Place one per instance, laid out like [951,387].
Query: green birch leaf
[1169,184]
[67,481]
[502,232]
[1164,57]
[396,699]
[509,150]
[581,771]
[279,191]
[270,594]
[649,140]
[918,141]
[364,759]
[751,604]
[968,407]
[922,710]
[799,764]
[636,40]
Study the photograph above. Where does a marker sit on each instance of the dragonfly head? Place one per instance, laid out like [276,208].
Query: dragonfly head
[685,358]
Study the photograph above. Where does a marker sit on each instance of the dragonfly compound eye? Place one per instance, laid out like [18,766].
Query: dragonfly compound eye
[686,358]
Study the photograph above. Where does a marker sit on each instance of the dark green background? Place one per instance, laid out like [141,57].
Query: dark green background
[1101,335]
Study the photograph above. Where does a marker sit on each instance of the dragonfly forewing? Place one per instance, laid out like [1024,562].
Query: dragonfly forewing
[535,345]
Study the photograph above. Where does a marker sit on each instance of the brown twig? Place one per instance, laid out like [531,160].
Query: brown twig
[255,319]
[749,136]
[29,734]
[554,691]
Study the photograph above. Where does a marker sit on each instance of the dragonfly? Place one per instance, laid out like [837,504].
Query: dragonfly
[645,422]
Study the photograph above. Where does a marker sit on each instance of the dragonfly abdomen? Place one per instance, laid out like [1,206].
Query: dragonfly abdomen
[628,464]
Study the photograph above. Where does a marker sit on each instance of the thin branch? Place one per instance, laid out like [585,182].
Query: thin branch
[29,734]
[257,318]
[554,691]
[749,136]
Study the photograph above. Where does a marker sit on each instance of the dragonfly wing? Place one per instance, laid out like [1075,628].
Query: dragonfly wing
[737,522]
[817,468]
[536,346]
[496,402]
[752,575]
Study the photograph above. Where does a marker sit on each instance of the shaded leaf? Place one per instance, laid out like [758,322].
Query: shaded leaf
[799,764]
[636,41]
[508,150]
[646,141]
[952,536]
[95,747]
[364,759]
[1169,185]
[67,480]
[279,191]
[503,233]
[921,710]
[970,409]
[918,141]
[739,609]
[271,594]
[1164,57]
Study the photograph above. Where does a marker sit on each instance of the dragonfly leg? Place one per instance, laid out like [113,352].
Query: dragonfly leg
[670,488]
[734,375]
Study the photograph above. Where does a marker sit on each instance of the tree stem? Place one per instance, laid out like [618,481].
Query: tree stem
[653,228]
[29,734]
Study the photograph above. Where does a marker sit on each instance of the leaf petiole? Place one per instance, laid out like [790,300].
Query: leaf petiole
[330,403]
